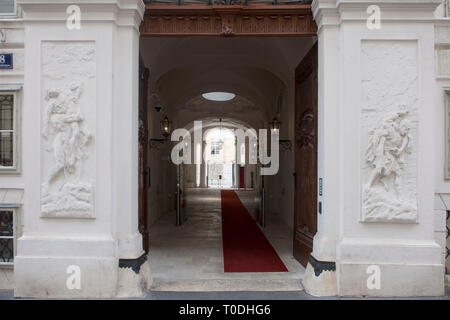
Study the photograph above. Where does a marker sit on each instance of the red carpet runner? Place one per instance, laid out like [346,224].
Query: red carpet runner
[245,248]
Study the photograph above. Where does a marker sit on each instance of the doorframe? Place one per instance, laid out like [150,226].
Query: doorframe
[221,20]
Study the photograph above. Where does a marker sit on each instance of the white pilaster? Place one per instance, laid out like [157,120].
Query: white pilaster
[360,87]
[93,71]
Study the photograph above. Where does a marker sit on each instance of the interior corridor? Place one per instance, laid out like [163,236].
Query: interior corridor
[227,84]
[190,257]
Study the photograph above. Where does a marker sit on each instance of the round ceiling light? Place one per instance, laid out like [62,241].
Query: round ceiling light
[219,96]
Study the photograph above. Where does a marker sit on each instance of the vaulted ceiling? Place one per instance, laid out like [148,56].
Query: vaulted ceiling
[257,70]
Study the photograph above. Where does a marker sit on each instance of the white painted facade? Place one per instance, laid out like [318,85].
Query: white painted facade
[93,74]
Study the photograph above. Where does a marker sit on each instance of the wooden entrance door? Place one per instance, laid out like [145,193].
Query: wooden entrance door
[143,152]
[305,202]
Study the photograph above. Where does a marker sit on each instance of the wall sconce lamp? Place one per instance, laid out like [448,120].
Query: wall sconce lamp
[166,128]
[275,125]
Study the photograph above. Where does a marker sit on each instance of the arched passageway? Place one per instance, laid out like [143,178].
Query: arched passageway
[259,75]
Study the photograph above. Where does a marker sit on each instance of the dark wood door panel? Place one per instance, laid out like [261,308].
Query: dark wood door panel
[143,152]
[304,240]
[305,215]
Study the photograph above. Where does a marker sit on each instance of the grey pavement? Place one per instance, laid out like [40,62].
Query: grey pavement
[246,295]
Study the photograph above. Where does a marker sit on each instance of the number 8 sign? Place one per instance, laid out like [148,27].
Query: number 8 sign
[6,61]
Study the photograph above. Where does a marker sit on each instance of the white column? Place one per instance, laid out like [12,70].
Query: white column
[203,168]
[373,81]
[125,139]
[90,75]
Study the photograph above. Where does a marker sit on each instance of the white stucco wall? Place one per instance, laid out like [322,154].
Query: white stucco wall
[161,193]
[12,184]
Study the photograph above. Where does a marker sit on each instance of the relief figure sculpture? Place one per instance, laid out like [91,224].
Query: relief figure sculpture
[63,194]
[383,196]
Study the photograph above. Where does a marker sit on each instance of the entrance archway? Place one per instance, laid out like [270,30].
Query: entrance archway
[259,71]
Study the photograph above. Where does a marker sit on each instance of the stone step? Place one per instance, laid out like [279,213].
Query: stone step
[160,284]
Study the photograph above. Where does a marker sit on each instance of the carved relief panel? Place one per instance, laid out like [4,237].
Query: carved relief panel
[306,129]
[68,103]
[389,131]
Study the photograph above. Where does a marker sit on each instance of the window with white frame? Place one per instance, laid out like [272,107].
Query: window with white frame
[9,130]
[7,7]
[7,236]
[216,147]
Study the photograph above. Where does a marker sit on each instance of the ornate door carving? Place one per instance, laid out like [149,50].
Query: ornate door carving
[305,201]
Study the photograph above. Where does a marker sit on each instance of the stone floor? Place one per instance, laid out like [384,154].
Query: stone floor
[190,257]
[265,295]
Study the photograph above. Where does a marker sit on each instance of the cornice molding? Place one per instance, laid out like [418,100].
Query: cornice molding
[325,13]
[121,12]
[11,24]
[334,12]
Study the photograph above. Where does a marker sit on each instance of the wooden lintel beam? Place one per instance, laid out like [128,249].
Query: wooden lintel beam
[228,20]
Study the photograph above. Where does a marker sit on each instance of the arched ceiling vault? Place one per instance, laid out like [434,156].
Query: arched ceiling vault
[257,70]
[180,90]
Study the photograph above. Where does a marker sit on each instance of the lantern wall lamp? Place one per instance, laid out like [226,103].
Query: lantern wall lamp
[275,126]
[166,129]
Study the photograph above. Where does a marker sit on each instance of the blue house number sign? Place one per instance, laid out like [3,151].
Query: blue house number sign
[6,61]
